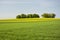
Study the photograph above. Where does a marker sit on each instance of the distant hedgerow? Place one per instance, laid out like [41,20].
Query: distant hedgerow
[48,15]
[28,16]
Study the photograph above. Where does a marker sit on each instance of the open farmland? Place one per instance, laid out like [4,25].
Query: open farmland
[30,29]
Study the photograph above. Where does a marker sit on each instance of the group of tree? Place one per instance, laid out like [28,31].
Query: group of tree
[48,15]
[44,15]
[28,16]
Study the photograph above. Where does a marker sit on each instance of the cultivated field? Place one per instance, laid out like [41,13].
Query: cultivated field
[30,29]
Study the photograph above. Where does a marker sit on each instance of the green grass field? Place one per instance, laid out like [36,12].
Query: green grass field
[30,29]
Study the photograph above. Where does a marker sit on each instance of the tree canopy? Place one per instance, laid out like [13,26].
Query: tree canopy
[48,15]
[28,16]
[44,15]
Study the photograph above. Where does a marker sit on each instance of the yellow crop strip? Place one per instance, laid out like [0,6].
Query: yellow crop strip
[29,19]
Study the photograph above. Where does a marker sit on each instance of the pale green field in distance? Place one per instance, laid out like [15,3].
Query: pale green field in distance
[30,29]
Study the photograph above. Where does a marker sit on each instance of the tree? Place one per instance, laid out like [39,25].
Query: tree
[18,16]
[23,16]
[52,15]
[47,15]
[29,16]
[36,16]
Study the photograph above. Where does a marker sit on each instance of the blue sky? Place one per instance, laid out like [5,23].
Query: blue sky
[11,8]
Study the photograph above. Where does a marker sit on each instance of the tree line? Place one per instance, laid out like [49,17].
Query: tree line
[44,15]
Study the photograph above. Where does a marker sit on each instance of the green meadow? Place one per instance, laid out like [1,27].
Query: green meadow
[30,29]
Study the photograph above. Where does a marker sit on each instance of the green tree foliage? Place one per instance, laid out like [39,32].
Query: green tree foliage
[52,15]
[23,16]
[36,16]
[47,15]
[29,16]
[18,16]
[33,16]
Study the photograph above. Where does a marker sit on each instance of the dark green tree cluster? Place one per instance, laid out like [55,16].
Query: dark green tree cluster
[44,15]
[48,15]
[28,16]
